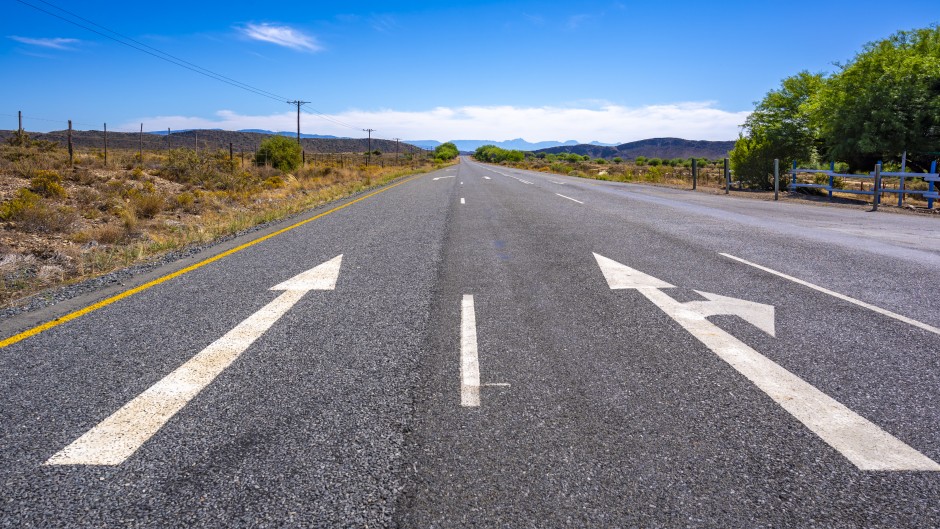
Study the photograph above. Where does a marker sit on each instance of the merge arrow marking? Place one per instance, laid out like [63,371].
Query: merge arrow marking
[859,440]
[117,437]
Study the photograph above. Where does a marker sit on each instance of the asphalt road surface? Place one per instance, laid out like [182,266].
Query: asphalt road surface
[487,347]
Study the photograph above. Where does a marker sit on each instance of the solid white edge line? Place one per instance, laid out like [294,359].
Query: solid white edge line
[873,308]
[569,198]
[469,358]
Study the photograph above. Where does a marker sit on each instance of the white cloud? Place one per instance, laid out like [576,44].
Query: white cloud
[56,43]
[282,36]
[608,123]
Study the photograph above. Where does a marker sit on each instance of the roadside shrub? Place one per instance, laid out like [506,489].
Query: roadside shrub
[274,182]
[618,160]
[33,214]
[654,162]
[24,199]
[281,152]
[600,161]
[47,184]
[147,205]
[640,160]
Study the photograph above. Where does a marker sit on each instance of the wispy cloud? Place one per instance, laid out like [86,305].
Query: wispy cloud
[383,23]
[608,123]
[575,21]
[282,36]
[537,20]
[56,43]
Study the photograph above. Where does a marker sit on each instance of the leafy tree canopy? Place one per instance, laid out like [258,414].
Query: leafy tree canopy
[446,151]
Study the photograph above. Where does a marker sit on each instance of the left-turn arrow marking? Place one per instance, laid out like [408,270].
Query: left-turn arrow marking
[117,437]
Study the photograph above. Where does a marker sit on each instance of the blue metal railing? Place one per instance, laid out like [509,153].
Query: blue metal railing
[932,178]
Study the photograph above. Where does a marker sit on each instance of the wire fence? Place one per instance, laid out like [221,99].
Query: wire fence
[98,139]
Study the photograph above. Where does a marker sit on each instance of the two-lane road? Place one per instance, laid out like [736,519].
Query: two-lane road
[501,348]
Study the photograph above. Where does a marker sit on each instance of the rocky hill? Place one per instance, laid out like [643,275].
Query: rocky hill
[207,139]
[651,148]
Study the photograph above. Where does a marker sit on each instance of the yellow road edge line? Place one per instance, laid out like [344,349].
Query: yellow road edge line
[128,293]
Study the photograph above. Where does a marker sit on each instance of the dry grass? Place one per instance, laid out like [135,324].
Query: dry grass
[64,224]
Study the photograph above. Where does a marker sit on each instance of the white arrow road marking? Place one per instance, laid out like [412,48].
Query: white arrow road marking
[862,442]
[436,178]
[879,310]
[116,438]
[569,198]
[462,201]
[486,178]
[469,358]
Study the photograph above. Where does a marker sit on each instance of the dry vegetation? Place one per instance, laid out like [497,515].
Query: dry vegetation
[678,173]
[65,223]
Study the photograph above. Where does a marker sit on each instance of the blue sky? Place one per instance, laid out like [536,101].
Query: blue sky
[609,71]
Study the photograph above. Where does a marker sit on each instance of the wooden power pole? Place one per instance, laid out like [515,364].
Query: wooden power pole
[299,104]
[369,154]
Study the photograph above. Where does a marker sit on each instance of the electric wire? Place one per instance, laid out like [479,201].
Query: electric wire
[164,56]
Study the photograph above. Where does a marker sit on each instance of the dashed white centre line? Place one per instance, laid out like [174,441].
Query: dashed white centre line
[469,357]
[879,310]
[569,198]
[462,201]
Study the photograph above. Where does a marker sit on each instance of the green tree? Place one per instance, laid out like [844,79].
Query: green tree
[446,151]
[885,101]
[780,127]
[281,152]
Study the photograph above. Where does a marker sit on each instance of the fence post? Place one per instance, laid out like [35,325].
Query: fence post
[832,169]
[901,187]
[140,146]
[727,177]
[105,144]
[19,114]
[694,173]
[876,197]
[776,178]
[794,176]
[70,143]
[931,186]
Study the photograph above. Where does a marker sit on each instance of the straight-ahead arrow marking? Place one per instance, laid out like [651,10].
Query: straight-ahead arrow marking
[116,438]
[862,442]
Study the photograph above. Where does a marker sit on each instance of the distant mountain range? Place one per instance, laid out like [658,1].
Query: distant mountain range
[248,140]
[651,148]
[258,131]
[516,144]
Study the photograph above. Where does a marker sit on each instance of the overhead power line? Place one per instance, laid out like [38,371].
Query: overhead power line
[164,56]
[156,53]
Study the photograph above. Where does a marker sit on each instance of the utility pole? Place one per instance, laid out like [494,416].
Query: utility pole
[369,154]
[140,145]
[19,114]
[397,140]
[299,104]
